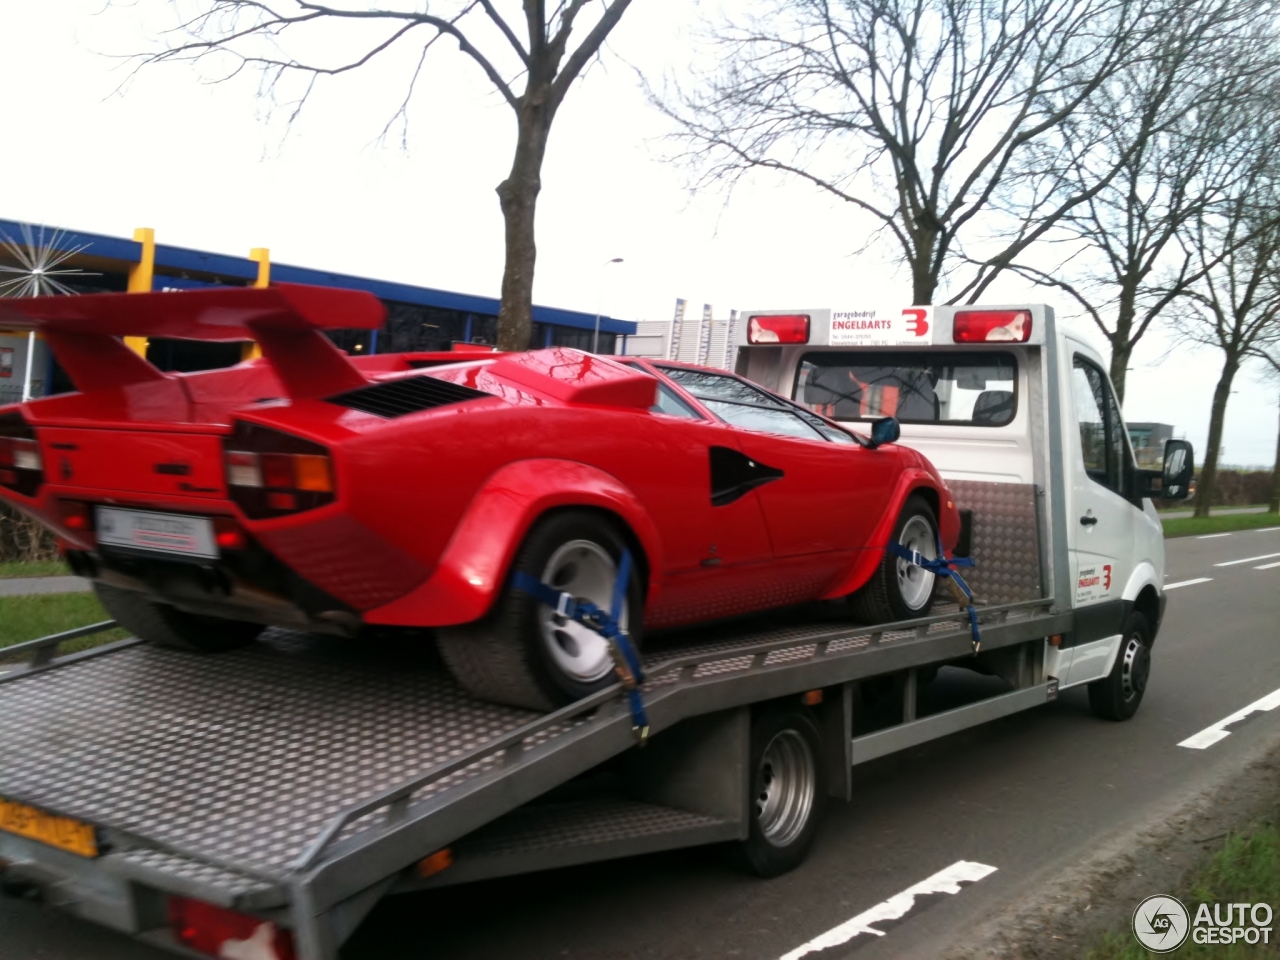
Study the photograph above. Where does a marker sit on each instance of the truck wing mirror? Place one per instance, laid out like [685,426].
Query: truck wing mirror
[884,430]
[1173,482]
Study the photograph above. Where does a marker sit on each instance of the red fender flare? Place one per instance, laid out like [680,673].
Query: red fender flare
[473,567]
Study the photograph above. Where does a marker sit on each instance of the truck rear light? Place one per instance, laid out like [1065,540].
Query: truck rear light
[779,328]
[992,326]
[271,473]
[219,932]
[21,465]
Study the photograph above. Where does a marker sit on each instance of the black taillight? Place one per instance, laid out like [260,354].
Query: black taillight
[274,474]
[21,465]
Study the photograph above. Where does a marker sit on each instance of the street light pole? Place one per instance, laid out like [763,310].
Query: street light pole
[595,339]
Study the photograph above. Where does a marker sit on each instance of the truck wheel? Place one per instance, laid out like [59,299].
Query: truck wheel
[899,590]
[522,653]
[788,791]
[1118,695]
[170,627]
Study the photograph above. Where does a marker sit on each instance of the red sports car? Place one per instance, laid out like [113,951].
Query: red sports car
[313,490]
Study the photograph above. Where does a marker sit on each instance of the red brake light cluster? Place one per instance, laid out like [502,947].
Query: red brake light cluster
[273,474]
[21,466]
[992,326]
[219,932]
[779,328]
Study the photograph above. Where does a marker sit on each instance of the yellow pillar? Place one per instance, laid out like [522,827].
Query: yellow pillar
[251,350]
[141,276]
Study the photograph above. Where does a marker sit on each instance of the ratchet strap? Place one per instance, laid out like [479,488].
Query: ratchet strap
[626,662]
[946,568]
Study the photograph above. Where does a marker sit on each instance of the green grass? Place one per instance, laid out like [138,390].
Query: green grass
[1245,870]
[1192,526]
[26,618]
[39,568]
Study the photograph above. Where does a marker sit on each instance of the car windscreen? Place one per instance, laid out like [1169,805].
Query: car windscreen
[977,388]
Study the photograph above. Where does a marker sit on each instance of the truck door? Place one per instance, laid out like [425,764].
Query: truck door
[1100,467]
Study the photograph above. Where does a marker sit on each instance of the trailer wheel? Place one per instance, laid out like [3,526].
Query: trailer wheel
[899,590]
[170,627]
[523,654]
[788,791]
[1118,695]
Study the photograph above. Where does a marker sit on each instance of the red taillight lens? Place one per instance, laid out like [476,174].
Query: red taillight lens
[781,328]
[219,932]
[992,326]
[228,534]
[21,465]
[76,516]
[271,474]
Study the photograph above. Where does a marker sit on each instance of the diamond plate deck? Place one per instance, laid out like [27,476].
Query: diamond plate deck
[1006,540]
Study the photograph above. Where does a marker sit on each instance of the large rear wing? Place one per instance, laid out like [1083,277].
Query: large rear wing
[286,320]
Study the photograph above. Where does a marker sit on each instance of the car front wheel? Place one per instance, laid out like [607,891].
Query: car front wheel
[524,654]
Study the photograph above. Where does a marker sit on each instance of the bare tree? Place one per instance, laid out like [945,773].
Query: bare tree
[1235,306]
[525,55]
[1172,126]
[912,111]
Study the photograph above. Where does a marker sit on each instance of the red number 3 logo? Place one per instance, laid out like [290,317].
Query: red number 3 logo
[1106,576]
[916,321]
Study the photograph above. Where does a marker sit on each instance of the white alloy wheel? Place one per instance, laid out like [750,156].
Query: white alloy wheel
[915,584]
[585,570]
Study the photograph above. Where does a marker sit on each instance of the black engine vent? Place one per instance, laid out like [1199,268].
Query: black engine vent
[396,398]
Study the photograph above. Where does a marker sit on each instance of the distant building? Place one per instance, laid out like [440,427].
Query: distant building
[1148,443]
[707,341]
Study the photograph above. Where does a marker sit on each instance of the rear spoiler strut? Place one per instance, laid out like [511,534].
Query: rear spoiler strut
[286,320]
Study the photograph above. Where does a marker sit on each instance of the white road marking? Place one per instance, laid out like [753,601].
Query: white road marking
[1232,563]
[1265,529]
[896,907]
[1210,536]
[1268,566]
[1187,583]
[1211,735]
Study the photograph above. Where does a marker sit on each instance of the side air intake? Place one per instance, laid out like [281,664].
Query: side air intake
[398,398]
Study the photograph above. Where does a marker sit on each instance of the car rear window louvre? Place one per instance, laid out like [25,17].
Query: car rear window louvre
[397,398]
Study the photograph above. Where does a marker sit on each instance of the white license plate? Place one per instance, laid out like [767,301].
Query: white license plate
[161,532]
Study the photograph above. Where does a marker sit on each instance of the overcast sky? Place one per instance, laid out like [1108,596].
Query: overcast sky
[207,166]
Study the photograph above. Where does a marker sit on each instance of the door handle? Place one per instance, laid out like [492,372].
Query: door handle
[1088,520]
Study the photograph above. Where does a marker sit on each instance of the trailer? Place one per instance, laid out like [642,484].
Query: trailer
[259,803]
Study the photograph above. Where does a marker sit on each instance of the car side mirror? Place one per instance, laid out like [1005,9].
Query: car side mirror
[1173,482]
[884,430]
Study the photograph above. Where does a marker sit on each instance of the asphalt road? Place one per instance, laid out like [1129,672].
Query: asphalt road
[1026,795]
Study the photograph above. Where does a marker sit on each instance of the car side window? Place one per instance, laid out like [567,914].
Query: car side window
[670,404]
[742,405]
[1102,442]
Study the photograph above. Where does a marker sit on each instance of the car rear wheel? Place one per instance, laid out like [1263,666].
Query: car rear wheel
[899,590]
[788,791]
[524,654]
[170,627]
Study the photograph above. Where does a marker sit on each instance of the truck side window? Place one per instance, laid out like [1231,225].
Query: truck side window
[1102,441]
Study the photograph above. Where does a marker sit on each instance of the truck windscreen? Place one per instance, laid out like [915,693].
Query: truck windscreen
[970,388]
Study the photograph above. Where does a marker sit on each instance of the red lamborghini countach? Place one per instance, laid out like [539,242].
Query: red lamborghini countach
[311,490]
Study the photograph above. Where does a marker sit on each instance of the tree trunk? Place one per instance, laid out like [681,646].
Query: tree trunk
[1275,480]
[1121,351]
[518,197]
[1209,472]
[1121,346]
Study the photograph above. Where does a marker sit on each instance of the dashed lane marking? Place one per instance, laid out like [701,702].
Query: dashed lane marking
[1212,536]
[896,907]
[1187,583]
[1211,735]
[1268,566]
[1265,530]
[1232,563]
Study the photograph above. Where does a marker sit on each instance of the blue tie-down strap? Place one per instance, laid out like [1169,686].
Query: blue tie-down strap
[626,661]
[945,568]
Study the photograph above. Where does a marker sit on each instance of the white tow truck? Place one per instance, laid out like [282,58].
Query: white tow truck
[267,799]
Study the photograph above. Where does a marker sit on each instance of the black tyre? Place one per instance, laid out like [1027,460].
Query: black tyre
[899,590]
[788,791]
[170,627]
[522,653]
[1118,695]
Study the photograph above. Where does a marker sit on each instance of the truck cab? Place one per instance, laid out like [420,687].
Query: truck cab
[1022,422]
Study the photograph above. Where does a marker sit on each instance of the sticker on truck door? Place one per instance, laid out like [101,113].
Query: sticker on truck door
[1093,583]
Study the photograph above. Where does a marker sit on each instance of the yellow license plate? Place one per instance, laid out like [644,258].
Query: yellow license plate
[61,832]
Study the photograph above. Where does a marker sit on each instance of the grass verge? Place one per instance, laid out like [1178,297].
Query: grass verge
[1245,870]
[38,568]
[1198,526]
[26,618]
